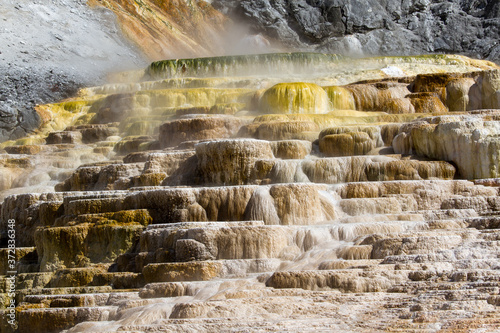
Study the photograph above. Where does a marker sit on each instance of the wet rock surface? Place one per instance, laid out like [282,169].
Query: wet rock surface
[380,213]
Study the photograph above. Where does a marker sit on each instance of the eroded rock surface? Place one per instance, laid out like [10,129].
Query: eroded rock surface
[53,56]
[372,28]
[150,207]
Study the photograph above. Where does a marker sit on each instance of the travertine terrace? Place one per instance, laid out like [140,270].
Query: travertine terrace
[280,192]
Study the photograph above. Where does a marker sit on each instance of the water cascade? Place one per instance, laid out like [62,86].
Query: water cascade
[294,192]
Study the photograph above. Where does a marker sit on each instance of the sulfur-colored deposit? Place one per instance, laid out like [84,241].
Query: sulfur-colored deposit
[216,195]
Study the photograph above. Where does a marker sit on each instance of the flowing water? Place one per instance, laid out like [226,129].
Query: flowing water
[260,192]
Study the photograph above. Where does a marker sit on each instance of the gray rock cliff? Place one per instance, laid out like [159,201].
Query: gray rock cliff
[370,27]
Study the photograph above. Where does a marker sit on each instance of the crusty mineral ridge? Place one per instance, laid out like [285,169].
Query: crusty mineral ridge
[207,197]
[71,43]
[471,144]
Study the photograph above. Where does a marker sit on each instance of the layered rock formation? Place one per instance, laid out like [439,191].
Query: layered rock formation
[209,197]
[53,56]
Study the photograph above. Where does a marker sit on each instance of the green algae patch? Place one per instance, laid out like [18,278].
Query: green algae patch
[340,118]
[133,144]
[106,242]
[150,179]
[340,98]
[195,97]
[84,244]
[21,162]
[255,64]
[74,277]
[298,97]
[58,116]
[123,217]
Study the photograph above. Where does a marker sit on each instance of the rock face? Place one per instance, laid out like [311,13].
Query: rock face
[369,27]
[148,206]
[52,57]
[178,131]
[172,28]
[472,146]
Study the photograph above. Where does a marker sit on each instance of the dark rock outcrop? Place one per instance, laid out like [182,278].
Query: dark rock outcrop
[370,27]
[21,89]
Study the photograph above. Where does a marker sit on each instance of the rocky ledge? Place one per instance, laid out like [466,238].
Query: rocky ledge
[213,196]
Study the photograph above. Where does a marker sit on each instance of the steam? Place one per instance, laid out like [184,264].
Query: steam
[240,40]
